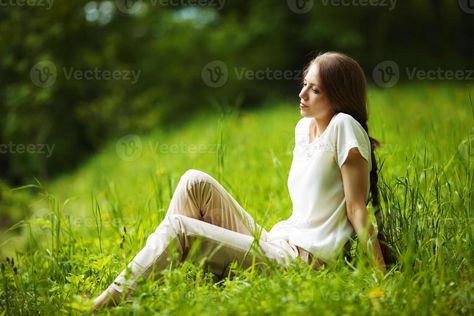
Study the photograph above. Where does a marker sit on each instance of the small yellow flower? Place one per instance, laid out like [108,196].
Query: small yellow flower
[376,292]
[160,172]
[105,216]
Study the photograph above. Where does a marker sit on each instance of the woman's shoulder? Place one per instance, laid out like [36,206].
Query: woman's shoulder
[343,121]
[344,118]
[302,124]
[346,129]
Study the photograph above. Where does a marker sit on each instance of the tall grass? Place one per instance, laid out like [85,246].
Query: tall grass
[72,250]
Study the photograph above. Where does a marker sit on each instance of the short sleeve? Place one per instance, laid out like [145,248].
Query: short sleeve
[350,134]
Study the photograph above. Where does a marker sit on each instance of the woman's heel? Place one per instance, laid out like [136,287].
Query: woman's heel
[109,298]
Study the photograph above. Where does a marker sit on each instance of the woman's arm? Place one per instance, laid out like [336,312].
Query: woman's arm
[355,179]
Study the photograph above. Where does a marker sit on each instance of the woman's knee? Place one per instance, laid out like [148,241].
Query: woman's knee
[194,175]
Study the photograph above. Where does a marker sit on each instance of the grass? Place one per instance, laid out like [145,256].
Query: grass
[87,225]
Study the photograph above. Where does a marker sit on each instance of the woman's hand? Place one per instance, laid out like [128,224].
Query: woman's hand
[355,180]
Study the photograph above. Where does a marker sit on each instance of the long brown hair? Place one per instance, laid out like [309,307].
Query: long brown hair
[343,81]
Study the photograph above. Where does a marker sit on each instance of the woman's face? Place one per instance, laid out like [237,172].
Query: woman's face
[313,101]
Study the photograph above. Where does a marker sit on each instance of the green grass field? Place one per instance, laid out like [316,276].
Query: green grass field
[74,244]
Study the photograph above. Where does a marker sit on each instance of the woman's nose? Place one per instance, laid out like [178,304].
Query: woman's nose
[302,94]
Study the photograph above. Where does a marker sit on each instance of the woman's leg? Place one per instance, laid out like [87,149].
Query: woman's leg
[200,196]
[200,210]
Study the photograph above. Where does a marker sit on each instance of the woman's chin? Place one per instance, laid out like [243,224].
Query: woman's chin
[304,112]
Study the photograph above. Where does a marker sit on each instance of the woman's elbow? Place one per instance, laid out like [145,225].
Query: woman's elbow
[351,211]
[356,214]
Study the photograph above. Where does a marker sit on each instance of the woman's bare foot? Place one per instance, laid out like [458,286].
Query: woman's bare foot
[108,298]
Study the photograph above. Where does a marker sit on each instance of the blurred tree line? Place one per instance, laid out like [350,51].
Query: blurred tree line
[54,89]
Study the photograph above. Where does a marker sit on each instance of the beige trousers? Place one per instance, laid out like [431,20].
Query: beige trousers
[204,218]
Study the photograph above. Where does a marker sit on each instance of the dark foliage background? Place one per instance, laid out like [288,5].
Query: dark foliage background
[170,44]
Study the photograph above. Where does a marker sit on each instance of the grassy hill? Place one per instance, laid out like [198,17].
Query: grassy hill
[88,224]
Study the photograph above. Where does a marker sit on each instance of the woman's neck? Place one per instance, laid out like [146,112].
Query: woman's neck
[320,123]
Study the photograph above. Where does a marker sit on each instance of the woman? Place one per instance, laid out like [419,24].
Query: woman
[329,184]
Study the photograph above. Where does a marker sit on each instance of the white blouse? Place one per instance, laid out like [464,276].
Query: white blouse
[319,222]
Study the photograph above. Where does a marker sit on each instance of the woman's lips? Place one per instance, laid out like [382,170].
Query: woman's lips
[302,106]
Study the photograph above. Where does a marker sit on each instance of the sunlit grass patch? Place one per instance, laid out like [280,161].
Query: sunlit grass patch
[89,224]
